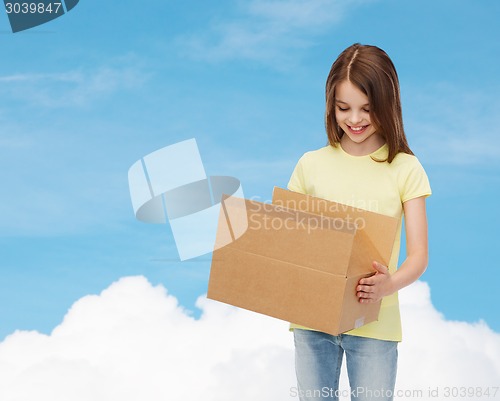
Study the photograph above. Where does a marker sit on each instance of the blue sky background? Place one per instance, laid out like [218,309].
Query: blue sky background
[86,95]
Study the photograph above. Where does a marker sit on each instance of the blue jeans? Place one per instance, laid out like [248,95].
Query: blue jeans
[371,366]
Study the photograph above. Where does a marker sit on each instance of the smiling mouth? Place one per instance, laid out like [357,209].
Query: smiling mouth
[358,130]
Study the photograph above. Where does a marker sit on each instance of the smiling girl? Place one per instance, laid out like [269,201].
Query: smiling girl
[367,162]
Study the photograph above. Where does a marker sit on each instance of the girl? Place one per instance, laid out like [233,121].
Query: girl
[367,162]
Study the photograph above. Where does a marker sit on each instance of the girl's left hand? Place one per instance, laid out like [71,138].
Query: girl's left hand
[373,289]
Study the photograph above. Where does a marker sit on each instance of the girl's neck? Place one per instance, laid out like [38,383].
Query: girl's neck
[368,146]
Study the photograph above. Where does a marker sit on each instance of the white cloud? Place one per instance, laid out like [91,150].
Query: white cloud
[438,353]
[265,30]
[448,124]
[33,77]
[11,142]
[77,87]
[134,342]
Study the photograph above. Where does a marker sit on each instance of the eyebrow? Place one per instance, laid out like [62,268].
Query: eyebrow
[341,101]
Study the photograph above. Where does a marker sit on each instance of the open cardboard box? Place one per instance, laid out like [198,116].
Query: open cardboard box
[299,259]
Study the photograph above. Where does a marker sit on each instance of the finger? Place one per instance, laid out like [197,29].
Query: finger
[364,295]
[366,300]
[380,268]
[367,281]
[365,288]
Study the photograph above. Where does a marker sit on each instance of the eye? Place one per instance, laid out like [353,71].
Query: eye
[366,110]
[342,109]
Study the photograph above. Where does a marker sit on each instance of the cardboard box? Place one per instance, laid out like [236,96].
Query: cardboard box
[299,259]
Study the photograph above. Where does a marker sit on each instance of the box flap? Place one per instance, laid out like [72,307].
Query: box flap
[232,210]
[362,255]
[378,229]
[310,240]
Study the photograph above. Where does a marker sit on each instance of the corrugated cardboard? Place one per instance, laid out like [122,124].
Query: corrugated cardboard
[299,259]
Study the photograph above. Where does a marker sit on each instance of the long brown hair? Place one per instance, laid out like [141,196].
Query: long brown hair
[371,70]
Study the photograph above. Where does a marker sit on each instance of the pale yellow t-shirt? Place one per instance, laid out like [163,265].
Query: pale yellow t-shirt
[359,181]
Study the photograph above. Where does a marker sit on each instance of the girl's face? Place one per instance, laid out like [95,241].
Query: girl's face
[352,112]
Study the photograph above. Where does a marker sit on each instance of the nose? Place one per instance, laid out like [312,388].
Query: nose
[355,117]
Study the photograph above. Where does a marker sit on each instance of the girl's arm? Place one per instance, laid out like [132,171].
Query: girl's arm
[374,288]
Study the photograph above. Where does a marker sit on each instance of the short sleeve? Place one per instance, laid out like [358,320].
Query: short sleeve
[297,183]
[415,182]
